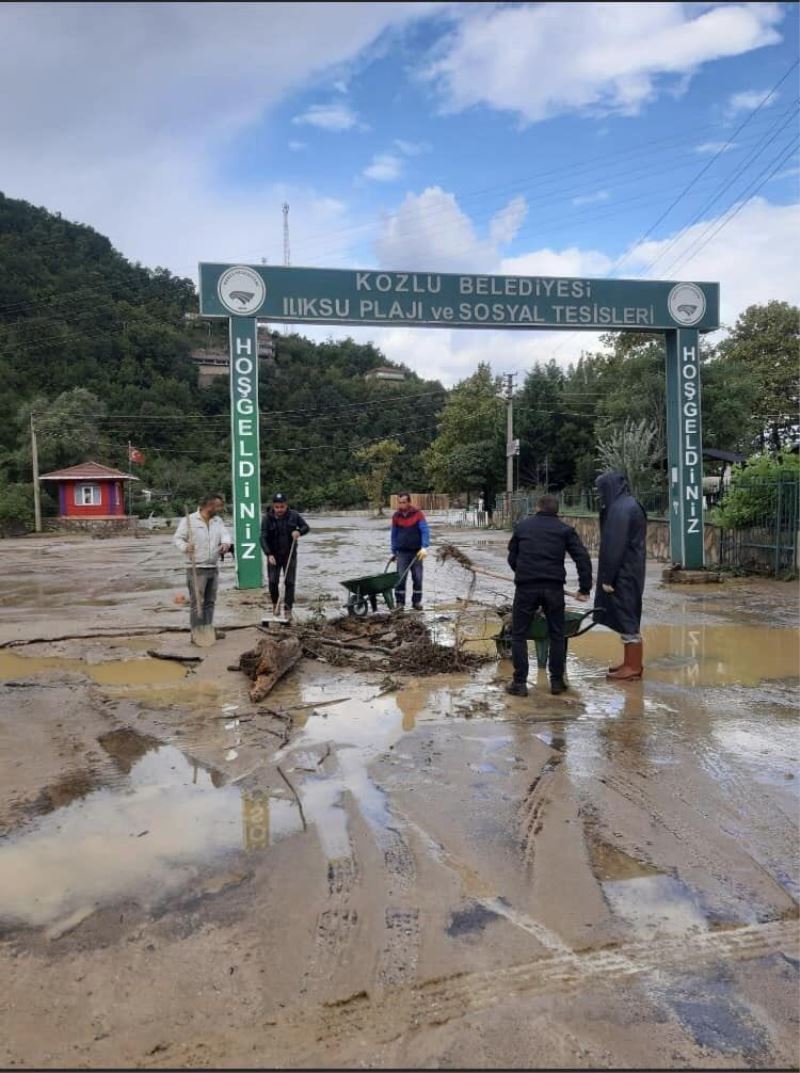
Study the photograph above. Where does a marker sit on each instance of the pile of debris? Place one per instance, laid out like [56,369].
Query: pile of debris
[384,642]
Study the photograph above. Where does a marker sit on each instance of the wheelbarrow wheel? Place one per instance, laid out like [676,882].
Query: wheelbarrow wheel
[358,606]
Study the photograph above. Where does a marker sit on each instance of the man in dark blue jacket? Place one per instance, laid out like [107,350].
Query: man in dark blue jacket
[536,554]
[410,541]
[621,570]
[281,527]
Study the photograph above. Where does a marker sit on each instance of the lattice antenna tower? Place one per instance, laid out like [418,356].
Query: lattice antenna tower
[287,253]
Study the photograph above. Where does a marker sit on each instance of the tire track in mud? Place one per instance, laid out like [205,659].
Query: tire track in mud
[399,955]
[534,804]
[336,925]
[720,865]
[435,1002]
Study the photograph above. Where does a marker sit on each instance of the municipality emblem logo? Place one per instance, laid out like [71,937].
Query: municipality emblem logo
[686,304]
[241,290]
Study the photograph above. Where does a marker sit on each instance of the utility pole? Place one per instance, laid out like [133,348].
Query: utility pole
[37,498]
[510,446]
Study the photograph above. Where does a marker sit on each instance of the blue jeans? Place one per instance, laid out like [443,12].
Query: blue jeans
[403,560]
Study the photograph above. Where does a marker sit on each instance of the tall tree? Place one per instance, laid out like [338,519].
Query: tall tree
[378,458]
[468,453]
[764,343]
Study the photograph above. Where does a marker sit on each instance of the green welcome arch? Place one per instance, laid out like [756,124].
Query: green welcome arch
[248,293]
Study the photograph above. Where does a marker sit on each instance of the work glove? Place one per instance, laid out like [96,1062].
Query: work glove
[421,554]
[582,597]
[607,588]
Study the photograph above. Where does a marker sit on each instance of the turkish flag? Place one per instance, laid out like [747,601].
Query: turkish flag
[135,455]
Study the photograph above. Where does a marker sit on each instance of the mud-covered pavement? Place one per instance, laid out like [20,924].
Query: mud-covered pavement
[603,879]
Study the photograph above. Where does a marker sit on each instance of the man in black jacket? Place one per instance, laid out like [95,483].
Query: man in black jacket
[281,527]
[536,554]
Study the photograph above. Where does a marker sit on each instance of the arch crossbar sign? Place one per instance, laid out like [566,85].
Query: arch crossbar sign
[681,311]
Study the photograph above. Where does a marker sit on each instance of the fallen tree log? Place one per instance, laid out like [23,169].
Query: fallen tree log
[268,662]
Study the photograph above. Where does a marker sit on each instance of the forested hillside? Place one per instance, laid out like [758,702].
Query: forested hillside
[99,349]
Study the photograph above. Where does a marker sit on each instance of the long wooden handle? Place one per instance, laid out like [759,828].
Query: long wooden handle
[196,593]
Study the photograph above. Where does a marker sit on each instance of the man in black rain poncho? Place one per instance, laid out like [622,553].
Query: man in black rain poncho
[621,570]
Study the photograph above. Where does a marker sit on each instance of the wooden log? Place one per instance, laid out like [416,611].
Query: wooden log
[268,662]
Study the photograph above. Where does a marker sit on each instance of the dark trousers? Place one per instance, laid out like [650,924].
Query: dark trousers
[527,600]
[207,581]
[403,560]
[273,576]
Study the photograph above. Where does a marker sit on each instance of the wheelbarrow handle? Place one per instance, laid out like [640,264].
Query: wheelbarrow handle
[389,563]
[584,616]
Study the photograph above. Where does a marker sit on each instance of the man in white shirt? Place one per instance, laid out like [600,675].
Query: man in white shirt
[204,535]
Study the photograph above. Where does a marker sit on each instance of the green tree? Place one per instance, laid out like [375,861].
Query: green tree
[764,342]
[469,450]
[379,458]
[635,450]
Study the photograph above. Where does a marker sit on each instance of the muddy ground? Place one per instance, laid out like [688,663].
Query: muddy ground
[604,879]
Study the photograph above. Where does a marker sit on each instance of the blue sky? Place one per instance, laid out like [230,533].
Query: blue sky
[558,138]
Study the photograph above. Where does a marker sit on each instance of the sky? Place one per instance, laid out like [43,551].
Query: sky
[619,140]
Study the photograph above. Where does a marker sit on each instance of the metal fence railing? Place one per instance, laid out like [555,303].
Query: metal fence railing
[760,526]
[572,502]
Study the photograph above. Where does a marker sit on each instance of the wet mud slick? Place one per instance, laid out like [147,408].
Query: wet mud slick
[387,860]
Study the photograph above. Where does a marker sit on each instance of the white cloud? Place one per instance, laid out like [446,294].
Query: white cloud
[411,148]
[431,231]
[335,117]
[506,223]
[124,112]
[710,148]
[748,100]
[543,60]
[296,147]
[385,168]
[753,258]
[591,199]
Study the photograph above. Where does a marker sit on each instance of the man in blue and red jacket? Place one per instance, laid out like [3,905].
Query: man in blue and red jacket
[410,540]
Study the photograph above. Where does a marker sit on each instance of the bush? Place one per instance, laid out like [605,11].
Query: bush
[753,495]
[16,509]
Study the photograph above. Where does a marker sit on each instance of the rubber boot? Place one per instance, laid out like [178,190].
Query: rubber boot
[631,668]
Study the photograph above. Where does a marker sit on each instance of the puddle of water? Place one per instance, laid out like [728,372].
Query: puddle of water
[111,672]
[655,905]
[144,838]
[610,864]
[701,655]
[359,730]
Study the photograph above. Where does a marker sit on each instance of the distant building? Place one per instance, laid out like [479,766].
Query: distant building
[90,493]
[385,372]
[214,363]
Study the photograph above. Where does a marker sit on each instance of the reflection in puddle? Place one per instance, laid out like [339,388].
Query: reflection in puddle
[143,839]
[110,672]
[701,655]
[359,731]
[655,905]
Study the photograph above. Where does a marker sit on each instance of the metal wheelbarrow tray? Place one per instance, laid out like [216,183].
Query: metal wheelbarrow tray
[537,632]
[364,591]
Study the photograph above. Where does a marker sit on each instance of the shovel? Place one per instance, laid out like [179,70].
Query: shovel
[202,636]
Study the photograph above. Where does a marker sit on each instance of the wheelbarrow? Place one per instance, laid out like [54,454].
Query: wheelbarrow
[364,591]
[574,625]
